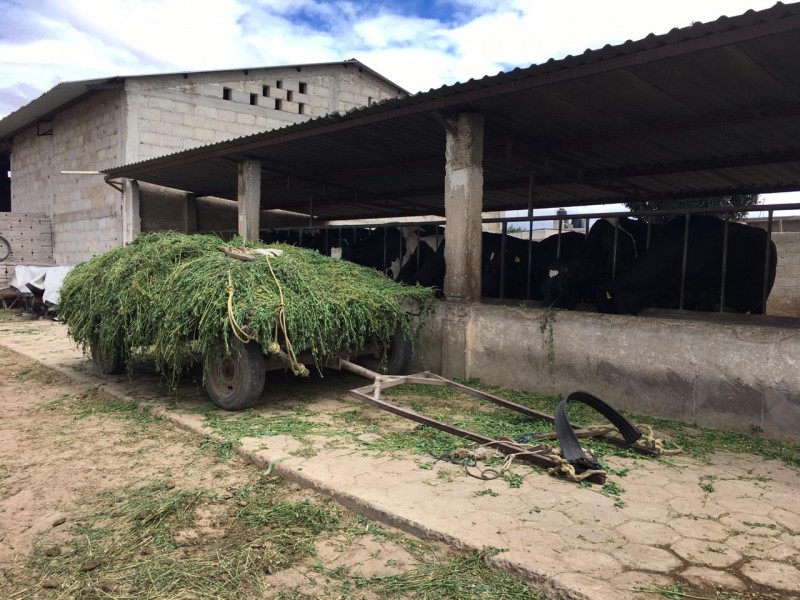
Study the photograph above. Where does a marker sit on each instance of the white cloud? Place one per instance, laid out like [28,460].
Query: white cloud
[54,40]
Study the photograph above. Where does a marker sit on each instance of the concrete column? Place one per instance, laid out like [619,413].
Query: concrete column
[131,221]
[463,204]
[190,213]
[249,197]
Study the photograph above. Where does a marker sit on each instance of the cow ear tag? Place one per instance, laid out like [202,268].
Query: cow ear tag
[517,259]
[608,296]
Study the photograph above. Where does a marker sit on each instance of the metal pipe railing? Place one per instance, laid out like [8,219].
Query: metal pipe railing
[530,219]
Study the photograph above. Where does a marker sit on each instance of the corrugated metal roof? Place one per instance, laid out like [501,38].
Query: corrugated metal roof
[706,109]
[67,92]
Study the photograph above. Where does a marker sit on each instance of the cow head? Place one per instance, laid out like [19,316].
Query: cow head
[566,283]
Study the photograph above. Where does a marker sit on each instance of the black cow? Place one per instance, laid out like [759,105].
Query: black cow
[654,279]
[566,245]
[432,269]
[572,281]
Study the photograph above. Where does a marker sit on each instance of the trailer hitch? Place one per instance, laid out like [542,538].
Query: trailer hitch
[574,456]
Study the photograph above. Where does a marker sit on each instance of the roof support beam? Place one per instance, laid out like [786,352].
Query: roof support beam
[249,197]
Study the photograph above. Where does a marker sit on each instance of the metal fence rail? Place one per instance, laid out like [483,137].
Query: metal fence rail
[360,231]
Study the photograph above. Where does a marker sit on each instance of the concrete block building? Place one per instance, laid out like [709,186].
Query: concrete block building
[54,145]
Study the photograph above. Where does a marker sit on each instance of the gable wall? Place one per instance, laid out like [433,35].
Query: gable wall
[173,113]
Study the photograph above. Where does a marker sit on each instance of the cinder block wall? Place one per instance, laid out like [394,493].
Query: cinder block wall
[734,375]
[31,242]
[172,113]
[83,209]
[785,297]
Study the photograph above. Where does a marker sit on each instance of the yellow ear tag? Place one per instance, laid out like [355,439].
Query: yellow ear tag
[608,296]
[517,259]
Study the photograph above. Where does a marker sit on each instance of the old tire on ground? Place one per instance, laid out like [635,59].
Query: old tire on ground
[105,360]
[398,357]
[235,380]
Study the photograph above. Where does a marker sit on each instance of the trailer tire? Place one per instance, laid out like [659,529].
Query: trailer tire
[398,357]
[234,380]
[105,360]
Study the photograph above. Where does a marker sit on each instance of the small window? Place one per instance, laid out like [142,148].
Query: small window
[254,99]
[278,104]
[279,84]
[369,100]
[265,91]
[226,93]
[303,87]
[289,95]
[301,109]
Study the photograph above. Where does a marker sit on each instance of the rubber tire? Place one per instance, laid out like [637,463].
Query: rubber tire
[105,362]
[398,359]
[235,381]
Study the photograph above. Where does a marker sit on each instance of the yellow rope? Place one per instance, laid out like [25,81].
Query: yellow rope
[568,471]
[238,332]
[280,322]
[649,440]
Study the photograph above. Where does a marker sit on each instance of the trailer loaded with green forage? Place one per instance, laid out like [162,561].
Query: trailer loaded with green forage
[245,308]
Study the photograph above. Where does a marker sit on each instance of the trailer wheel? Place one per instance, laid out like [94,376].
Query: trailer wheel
[106,361]
[398,357]
[235,380]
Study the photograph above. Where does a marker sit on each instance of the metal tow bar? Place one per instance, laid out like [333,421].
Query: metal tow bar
[371,394]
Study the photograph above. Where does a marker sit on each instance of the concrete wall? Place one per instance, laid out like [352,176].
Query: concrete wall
[31,242]
[736,374]
[163,209]
[84,210]
[785,297]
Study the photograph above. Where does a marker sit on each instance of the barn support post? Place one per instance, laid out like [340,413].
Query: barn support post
[463,206]
[131,220]
[249,198]
[189,209]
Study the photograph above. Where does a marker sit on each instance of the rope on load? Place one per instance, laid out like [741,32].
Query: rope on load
[280,320]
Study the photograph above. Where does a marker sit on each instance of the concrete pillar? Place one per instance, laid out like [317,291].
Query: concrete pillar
[190,213]
[249,198]
[131,221]
[463,204]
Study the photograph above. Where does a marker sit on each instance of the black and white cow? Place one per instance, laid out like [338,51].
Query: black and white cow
[654,279]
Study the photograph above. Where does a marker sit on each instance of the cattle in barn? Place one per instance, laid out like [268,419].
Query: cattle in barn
[566,245]
[377,250]
[570,281]
[422,243]
[323,240]
[654,279]
[432,268]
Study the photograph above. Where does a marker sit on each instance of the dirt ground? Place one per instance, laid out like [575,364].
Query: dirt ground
[101,500]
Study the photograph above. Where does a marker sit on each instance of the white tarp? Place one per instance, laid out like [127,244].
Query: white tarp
[48,279]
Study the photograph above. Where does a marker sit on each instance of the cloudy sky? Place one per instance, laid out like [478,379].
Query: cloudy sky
[419,44]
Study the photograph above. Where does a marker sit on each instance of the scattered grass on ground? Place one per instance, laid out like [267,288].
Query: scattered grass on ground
[147,539]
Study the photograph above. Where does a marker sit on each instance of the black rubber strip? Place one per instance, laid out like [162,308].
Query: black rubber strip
[570,448]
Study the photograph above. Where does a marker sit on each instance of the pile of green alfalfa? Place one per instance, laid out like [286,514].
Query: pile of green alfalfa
[172,296]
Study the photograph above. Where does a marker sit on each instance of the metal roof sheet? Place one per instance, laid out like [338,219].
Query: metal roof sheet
[706,109]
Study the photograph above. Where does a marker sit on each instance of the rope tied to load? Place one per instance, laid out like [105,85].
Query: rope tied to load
[241,334]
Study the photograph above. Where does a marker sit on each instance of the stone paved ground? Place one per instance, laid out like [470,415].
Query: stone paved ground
[731,523]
